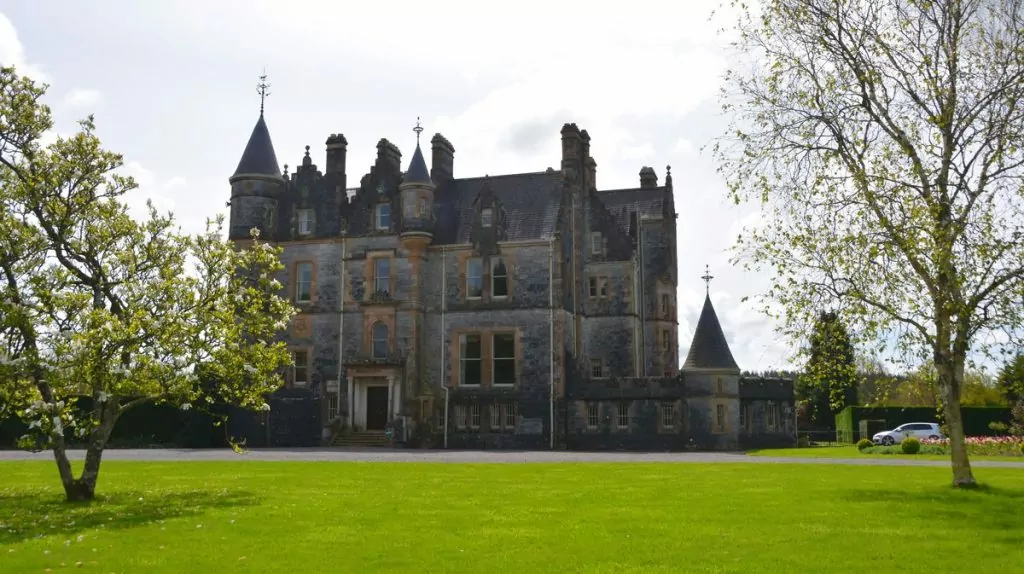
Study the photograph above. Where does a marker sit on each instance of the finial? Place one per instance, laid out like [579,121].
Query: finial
[418,129]
[707,278]
[286,169]
[263,88]
[307,151]
[668,171]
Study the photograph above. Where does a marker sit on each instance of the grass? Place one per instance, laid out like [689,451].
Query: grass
[852,452]
[417,517]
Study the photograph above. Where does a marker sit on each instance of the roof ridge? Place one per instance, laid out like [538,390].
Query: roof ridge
[503,175]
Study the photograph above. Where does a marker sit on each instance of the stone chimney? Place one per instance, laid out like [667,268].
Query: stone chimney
[648,178]
[589,165]
[572,153]
[337,147]
[389,154]
[442,159]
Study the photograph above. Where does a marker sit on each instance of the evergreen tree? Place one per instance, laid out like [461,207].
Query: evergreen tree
[827,384]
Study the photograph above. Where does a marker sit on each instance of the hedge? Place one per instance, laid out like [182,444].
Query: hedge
[976,419]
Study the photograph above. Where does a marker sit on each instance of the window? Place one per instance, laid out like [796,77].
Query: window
[666,339]
[623,418]
[440,418]
[503,417]
[486,217]
[719,387]
[470,360]
[474,416]
[720,418]
[303,282]
[380,340]
[592,283]
[598,286]
[300,369]
[382,275]
[499,279]
[503,349]
[474,278]
[383,216]
[665,303]
[461,416]
[596,368]
[305,221]
[668,415]
[596,243]
[332,406]
[593,416]
[771,416]
[424,207]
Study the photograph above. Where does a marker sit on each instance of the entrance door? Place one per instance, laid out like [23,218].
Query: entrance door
[376,408]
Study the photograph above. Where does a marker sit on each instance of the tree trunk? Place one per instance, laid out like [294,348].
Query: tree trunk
[950,381]
[83,488]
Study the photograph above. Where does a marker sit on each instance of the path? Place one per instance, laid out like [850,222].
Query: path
[464,456]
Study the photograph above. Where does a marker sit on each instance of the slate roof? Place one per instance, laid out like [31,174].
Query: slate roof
[259,156]
[709,349]
[645,201]
[530,200]
[418,172]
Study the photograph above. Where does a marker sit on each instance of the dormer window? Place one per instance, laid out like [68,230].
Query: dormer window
[305,221]
[596,243]
[486,217]
[384,216]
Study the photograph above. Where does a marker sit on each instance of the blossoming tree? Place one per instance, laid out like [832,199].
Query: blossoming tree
[97,304]
[884,140]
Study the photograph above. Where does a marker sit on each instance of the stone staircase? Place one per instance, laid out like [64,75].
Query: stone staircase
[362,439]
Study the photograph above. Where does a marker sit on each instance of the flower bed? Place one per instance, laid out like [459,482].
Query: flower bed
[976,446]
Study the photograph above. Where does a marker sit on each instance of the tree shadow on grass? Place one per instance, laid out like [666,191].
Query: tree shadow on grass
[985,508]
[37,513]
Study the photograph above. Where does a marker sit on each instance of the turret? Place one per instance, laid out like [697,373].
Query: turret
[417,197]
[256,184]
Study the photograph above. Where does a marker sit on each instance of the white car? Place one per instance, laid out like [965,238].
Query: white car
[920,431]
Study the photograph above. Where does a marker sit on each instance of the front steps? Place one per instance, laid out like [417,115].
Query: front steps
[362,439]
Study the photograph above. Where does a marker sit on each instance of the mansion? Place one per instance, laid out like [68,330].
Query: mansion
[526,310]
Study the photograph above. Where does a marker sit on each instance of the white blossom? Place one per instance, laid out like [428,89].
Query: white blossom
[186,406]
[265,407]
[249,369]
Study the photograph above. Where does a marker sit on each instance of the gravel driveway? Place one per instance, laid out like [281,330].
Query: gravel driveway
[460,456]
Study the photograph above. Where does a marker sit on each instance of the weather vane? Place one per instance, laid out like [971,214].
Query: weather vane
[707,278]
[418,129]
[263,88]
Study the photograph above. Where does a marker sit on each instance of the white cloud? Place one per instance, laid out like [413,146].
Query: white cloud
[82,98]
[12,53]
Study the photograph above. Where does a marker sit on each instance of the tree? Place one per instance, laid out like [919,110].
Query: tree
[828,383]
[1011,379]
[97,304]
[884,141]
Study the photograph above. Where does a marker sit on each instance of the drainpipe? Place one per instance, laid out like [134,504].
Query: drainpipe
[551,336]
[444,300]
[341,332]
[642,299]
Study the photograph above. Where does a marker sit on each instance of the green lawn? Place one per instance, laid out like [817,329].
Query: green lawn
[852,452]
[522,518]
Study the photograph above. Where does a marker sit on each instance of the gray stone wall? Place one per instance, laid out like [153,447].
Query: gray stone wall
[610,339]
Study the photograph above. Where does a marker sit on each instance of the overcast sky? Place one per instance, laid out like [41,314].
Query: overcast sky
[173,88]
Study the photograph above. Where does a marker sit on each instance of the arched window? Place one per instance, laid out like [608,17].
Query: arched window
[380,340]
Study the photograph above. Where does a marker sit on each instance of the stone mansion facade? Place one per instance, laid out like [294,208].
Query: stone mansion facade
[527,310]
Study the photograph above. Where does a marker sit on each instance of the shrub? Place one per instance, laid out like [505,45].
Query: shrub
[864,443]
[910,445]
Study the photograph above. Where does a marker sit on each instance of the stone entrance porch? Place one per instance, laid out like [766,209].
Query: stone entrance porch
[373,400]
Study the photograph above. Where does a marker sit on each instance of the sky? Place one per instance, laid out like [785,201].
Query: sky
[173,88]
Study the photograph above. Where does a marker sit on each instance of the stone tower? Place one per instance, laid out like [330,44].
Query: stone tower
[255,187]
[712,380]
[417,200]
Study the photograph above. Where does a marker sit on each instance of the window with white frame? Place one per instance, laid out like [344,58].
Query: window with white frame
[305,221]
[503,365]
[382,275]
[597,368]
[300,368]
[470,360]
[499,279]
[474,278]
[486,217]
[332,406]
[596,243]
[461,416]
[424,207]
[303,282]
[380,340]
[771,416]
[593,416]
[622,420]
[440,418]
[383,216]
[474,416]
[503,417]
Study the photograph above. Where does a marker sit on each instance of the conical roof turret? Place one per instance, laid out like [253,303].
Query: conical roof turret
[259,157]
[709,349]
